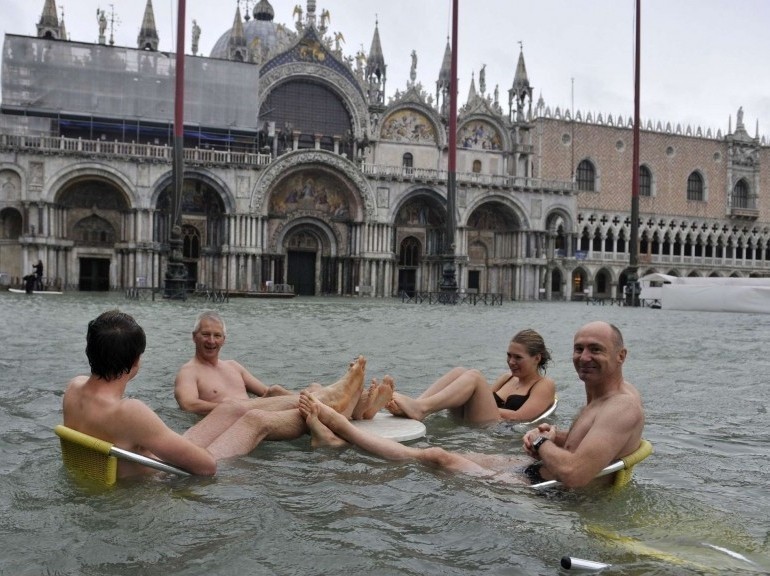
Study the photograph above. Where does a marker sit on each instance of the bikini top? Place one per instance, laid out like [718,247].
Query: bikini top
[514,401]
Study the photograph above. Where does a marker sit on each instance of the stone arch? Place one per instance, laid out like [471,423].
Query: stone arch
[511,206]
[11,223]
[218,185]
[351,96]
[481,133]
[422,213]
[65,179]
[94,231]
[92,195]
[409,124]
[323,230]
[580,280]
[314,190]
[355,185]
[602,282]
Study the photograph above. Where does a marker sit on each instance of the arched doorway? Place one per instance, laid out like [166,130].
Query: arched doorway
[203,228]
[302,249]
[94,210]
[408,264]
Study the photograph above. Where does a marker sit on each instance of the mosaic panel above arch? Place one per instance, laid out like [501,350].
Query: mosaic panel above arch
[408,126]
[312,192]
[92,194]
[494,216]
[421,211]
[197,198]
[479,135]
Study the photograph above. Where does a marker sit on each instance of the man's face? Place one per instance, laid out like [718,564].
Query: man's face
[595,354]
[209,339]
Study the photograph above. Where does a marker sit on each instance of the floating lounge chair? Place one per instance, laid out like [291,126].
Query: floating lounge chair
[623,468]
[98,459]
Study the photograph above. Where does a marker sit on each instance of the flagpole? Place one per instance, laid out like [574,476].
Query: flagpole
[176,272]
[449,279]
[633,267]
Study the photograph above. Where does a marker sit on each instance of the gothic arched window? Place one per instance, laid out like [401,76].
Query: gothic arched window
[586,176]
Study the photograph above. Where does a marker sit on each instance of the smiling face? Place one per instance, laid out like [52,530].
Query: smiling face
[520,362]
[598,354]
[209,339]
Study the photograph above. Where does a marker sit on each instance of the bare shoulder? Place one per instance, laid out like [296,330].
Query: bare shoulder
[77,382]
[624,406]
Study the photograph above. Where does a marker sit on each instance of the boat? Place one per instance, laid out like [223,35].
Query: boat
[43,292]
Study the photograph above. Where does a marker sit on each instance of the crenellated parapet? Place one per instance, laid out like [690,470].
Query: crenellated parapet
[620,121]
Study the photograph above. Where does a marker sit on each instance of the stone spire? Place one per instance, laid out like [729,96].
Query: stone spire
[237,49]
[48,27]
[521,91]
[62,27]
[444,82]
[148,33]
[472,91]
[375,73]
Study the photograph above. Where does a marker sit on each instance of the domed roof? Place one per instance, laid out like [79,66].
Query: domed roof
[260,33]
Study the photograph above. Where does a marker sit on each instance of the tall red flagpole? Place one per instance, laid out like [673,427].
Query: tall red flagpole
[633,267]
[176,272]
[449,280]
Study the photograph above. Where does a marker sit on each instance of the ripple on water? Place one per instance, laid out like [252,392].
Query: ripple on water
[287,509]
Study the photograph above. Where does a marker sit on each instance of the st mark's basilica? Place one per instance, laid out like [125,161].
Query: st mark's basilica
[308,166]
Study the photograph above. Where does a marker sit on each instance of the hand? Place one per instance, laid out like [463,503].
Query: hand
[542,430]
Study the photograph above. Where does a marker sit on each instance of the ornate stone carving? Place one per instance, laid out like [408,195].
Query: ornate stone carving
[303,158]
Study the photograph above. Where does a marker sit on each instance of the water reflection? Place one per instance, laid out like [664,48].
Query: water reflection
[286,509]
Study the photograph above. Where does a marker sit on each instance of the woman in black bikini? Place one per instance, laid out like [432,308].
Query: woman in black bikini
[521,395]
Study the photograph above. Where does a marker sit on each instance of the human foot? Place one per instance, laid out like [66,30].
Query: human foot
[327,416]
[406,407]
[383,394]
[344,394]
[320,435]
[364,401]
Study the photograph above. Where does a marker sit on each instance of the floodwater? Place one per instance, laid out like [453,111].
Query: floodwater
[699,505]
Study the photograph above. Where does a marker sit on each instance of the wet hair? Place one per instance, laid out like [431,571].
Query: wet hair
[535,345]
[209,315]
[114,343]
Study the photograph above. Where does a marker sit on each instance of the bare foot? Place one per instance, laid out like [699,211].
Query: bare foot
[344,394]
[364,401]
[383,394]
[406,407]
[320,435]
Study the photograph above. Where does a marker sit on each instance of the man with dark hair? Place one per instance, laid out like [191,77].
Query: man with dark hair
[96,405]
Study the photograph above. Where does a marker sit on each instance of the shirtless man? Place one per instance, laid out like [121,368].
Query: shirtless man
[96,405]
[207,380]
[608,427]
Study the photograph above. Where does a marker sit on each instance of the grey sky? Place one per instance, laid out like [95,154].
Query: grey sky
[701,59]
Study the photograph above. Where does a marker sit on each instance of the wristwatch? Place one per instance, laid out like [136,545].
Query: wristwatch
[538,443]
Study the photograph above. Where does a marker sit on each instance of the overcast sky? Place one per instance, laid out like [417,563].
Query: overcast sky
[701,59]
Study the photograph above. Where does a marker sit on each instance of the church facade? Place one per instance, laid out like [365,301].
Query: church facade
[301,167]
